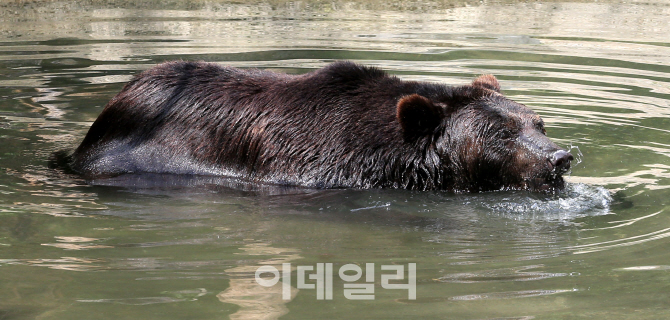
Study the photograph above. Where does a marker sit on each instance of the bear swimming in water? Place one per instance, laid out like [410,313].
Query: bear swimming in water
[343,126]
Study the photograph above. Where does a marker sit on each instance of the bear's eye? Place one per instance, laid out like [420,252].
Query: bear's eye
[505,134]
[540,127]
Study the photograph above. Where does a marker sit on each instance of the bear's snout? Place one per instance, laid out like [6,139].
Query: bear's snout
[560,161]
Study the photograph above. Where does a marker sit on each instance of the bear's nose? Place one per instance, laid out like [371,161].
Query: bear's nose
[561,161]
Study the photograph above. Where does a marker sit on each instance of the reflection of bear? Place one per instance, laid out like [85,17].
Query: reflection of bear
[341,126]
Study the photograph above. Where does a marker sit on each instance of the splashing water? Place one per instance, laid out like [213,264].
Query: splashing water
[578,155]
[577,200]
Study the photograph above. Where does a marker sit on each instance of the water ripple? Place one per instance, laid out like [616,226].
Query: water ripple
[500,275]
[509,295]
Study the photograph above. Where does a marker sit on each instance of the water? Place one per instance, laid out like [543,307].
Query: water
[166,247]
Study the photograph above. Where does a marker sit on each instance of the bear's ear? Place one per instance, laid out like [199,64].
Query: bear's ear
[487,81]
[418,115]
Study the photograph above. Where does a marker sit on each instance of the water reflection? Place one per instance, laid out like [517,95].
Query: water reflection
[64,263]
[653,178]
[76,243]
[255,301]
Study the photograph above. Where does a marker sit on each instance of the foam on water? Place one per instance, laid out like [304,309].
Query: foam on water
[577,200]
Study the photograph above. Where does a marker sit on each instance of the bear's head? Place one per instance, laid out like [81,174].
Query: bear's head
[484,141]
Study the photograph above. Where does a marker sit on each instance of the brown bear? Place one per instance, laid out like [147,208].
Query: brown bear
[343,126]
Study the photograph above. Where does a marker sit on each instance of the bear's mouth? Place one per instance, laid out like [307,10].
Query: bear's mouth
[547,178]
[550,184]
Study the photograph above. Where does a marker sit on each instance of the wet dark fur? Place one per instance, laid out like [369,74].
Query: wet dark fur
[342,126]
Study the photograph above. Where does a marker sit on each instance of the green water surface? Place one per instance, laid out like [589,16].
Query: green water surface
[157,247]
